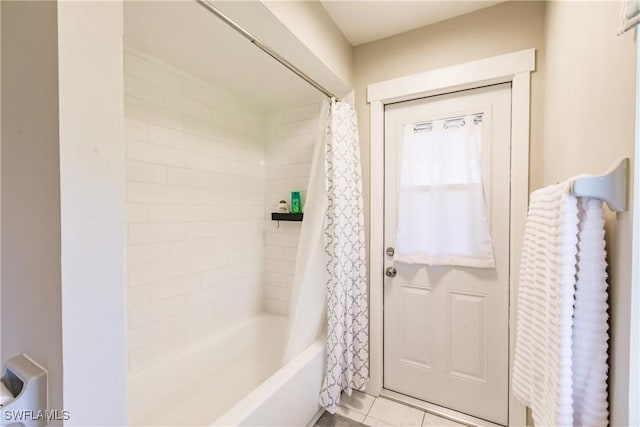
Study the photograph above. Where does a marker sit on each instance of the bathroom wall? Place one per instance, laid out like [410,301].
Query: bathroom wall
[504,28]
[313,26]
[31,284]
[195,208]
[291,135]
[91,225]
[589,114]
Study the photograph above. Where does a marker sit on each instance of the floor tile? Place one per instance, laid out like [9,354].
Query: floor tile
[372,422]
[351,414]
[336,420]
[431,420]
[395,413]
[359,401]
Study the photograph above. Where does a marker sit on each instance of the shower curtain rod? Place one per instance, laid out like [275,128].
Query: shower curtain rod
[265,48]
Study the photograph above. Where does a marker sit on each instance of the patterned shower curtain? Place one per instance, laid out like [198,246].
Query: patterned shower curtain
[347,365]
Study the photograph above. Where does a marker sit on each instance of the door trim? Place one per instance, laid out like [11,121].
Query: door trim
[513,67]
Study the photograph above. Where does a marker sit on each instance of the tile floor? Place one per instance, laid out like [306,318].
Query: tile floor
[378,411]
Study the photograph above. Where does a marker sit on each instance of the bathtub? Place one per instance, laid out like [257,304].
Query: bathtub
[232,378]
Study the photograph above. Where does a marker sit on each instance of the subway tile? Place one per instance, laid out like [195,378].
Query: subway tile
[274,252]
[275,279]
[206,229]
[148,273]
[187,106]
[147,253]
[136,129]
[136,87]
[194,178]
[276,292]
[204,329]
[137,171]
[152,72]
[182,285]
[147,333]
[146,354]
[290,254]
[165,213]
[216,277]
[208,196]
[204,94]
[297,170]
[278,266]
[153,153]
[174,138]
[190,248]
[137,213]
[204,263]
[154,193]
[206,296]
[137,296]
[148,112]
[156,311]
[195,171]
[150,233]
[276,306]
[302,112]
[204,128]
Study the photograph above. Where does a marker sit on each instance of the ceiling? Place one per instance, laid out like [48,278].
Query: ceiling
[365,21]
[184,34]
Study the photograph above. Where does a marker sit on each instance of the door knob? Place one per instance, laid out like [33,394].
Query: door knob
[390,272]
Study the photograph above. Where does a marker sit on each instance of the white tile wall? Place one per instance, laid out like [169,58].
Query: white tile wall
[195,181]
[203,173]
[291,136]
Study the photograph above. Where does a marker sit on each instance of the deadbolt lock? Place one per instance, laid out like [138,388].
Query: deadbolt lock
[390,251]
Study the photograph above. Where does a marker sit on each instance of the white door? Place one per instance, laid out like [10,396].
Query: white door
[446,328]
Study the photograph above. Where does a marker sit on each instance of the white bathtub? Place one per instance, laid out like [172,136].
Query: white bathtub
[233,378]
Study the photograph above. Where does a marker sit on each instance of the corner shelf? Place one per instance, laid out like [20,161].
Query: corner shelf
[277,216]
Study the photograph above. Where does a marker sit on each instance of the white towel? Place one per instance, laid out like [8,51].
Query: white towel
[590,327]
[555,371]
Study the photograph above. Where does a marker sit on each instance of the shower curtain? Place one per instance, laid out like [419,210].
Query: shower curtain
[331,262]
[306,313]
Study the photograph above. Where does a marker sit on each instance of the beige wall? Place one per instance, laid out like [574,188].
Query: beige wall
[504,28]
[587,122]
[31,294]
[313,26]
[589,113]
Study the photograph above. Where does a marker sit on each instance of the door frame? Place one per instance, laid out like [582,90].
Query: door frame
[515,67]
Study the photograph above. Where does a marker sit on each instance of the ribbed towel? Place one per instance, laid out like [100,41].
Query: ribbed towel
[590,327]
[555,371]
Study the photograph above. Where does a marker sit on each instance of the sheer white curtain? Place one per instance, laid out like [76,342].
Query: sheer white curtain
[442,218]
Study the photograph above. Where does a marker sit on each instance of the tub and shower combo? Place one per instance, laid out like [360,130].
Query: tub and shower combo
[211,340]
[234,378]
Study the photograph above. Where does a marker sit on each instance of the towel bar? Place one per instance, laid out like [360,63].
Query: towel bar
[612,187]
